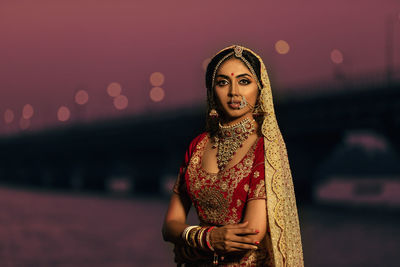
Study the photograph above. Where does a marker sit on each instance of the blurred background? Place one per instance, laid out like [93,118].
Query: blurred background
[99,100]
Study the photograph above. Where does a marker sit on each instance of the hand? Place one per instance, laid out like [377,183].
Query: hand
[233,238]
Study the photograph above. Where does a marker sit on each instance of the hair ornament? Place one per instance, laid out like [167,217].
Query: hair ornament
[238,51]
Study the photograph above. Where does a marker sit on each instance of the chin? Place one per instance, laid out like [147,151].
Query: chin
[236,114]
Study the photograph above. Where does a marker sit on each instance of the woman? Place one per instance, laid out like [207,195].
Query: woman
[236,175]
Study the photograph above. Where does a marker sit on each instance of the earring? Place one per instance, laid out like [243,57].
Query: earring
[213,113]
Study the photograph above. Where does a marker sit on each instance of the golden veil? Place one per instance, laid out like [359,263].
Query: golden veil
[285,243]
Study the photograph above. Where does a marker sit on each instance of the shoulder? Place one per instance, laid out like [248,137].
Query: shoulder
[195,141]
[259,151]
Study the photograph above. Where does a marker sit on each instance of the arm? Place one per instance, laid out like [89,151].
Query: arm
[175,219]
[256,216]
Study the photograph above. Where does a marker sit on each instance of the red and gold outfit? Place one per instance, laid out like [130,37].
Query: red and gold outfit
[220,199]
[263,173]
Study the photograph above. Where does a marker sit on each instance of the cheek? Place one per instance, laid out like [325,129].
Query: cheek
[219,96]
[252,96]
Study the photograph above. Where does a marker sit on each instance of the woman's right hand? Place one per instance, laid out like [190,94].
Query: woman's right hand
[233,238]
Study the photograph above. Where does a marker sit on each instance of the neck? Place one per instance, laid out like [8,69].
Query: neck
[243,128]
[232,121]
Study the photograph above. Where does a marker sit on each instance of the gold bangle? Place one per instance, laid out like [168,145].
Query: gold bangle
[185,233]
[201,239]
[192,235]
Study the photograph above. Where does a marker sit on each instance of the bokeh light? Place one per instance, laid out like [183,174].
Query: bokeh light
[157,94]
[336,56]
[205,63]
[114,89]
[8,116]
[81,97]
[27,111]
[63,113]
[157,78]
[282,47]
[121,102]
[24,123]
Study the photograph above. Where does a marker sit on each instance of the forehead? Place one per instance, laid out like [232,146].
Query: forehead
[233,65]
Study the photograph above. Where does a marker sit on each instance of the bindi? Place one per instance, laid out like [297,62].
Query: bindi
[232,74]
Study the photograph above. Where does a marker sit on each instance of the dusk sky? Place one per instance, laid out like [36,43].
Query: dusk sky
[52,50]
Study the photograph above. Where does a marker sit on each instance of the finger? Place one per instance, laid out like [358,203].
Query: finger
[244,240]
[242,246]
[245,231]
[238,250]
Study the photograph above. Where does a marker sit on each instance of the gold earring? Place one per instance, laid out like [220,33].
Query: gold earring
[213,113]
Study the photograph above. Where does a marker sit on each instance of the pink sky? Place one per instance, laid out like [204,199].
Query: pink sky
[51,49]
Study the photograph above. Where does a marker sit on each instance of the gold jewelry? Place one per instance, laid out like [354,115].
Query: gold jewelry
[230,139]
[238,54]
[186,231]
[192,236]
[284,244]
[213,113]
[200,237]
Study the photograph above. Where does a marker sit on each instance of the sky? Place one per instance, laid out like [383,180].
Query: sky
[129,58]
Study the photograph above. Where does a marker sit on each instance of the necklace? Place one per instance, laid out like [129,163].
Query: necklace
[230,138]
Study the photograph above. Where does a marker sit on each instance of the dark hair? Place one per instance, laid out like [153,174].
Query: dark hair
[212,123]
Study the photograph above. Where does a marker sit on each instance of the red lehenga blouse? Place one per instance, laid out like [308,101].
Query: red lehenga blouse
[220,199]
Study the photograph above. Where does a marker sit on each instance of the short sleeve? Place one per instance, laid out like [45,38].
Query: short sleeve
[257,176]
[257,183]
[180,186]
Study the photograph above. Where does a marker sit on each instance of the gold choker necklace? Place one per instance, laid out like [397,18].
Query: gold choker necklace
[230,138]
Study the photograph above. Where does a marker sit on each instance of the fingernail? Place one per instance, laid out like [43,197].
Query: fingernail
[257,242]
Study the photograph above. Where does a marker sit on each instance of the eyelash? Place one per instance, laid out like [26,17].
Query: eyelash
[220,83]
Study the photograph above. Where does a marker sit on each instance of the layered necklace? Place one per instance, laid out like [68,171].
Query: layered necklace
[230,138]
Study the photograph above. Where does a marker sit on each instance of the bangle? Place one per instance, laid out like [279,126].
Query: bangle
[200,237]
[208,238]
[192,236]
[186,231]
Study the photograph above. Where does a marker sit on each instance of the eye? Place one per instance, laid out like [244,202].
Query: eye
[244,81]
[222,82]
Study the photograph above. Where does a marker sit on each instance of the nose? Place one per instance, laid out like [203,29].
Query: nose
[234,90]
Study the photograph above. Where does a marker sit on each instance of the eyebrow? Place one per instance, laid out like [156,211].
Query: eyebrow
[238,76]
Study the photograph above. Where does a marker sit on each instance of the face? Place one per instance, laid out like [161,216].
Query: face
[232,82]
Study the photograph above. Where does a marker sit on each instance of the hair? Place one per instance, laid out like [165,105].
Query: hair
[212,123]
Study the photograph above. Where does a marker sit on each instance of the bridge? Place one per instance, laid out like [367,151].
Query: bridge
[145,151]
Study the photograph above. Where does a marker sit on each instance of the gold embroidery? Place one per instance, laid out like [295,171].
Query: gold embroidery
[224,186]
[216,190]
[246,187]
[248,162]
[256,174]
[213,204]
[260,190]
[238,203]
[196,160]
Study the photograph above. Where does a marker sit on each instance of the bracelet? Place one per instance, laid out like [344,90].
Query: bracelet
[186,231]
[208,242]
[200,237]
[192,236]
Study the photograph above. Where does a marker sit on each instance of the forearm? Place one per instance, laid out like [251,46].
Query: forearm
[172,231]
[256,216]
